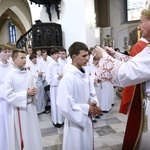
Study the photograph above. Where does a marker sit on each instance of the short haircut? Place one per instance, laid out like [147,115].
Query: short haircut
[44,51]
[62,50]
[16,51]
[32,56]
[54,51]
[76,47]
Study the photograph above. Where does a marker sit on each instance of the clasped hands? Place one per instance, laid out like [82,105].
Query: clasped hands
[32,91]
[98,51]
[94,109]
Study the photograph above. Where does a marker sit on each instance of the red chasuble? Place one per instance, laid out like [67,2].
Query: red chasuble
[133,95]
[135,121]
[127,94]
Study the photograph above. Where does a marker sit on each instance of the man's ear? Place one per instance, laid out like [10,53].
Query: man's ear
[73,57]
[13,59]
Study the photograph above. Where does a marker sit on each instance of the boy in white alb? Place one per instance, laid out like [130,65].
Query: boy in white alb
[28,62]
[62,57]
[20,93]
[43,65]
[77,101]
[4,69]
[54,74]
[39,55]
[38,76]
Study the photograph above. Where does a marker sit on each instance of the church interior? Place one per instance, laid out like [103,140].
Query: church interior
[42,25]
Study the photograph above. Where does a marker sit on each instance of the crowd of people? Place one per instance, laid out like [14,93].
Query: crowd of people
[81,88]
[23,78]
[19,122]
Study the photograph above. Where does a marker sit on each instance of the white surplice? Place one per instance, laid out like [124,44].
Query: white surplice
[75,91]
[62,61]
[28,61]
[11,61]
[106,96]
[98,87]
[39,58]
[16,84]
[43,65]
[104,90]
[41,103]
[134,71]
[4,134]
[112,97]
[52,79]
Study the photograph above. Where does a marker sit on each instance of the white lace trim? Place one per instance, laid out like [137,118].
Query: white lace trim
[108,69]
[122,57]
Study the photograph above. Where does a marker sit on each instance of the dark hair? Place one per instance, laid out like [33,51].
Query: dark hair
[126,53]
[76,47]
[117,49]
[62,50]
[38,50]
[54,51]
[92,48]
[95,58]
[44,51]
[32,56]
[16,51]
[90,52]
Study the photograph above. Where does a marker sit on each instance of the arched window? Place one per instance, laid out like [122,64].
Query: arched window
[12,32]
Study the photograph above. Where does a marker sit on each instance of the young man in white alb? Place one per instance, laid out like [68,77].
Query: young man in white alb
[77,101]
[54,73]
[20,93]
[4,69]
[39,78]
